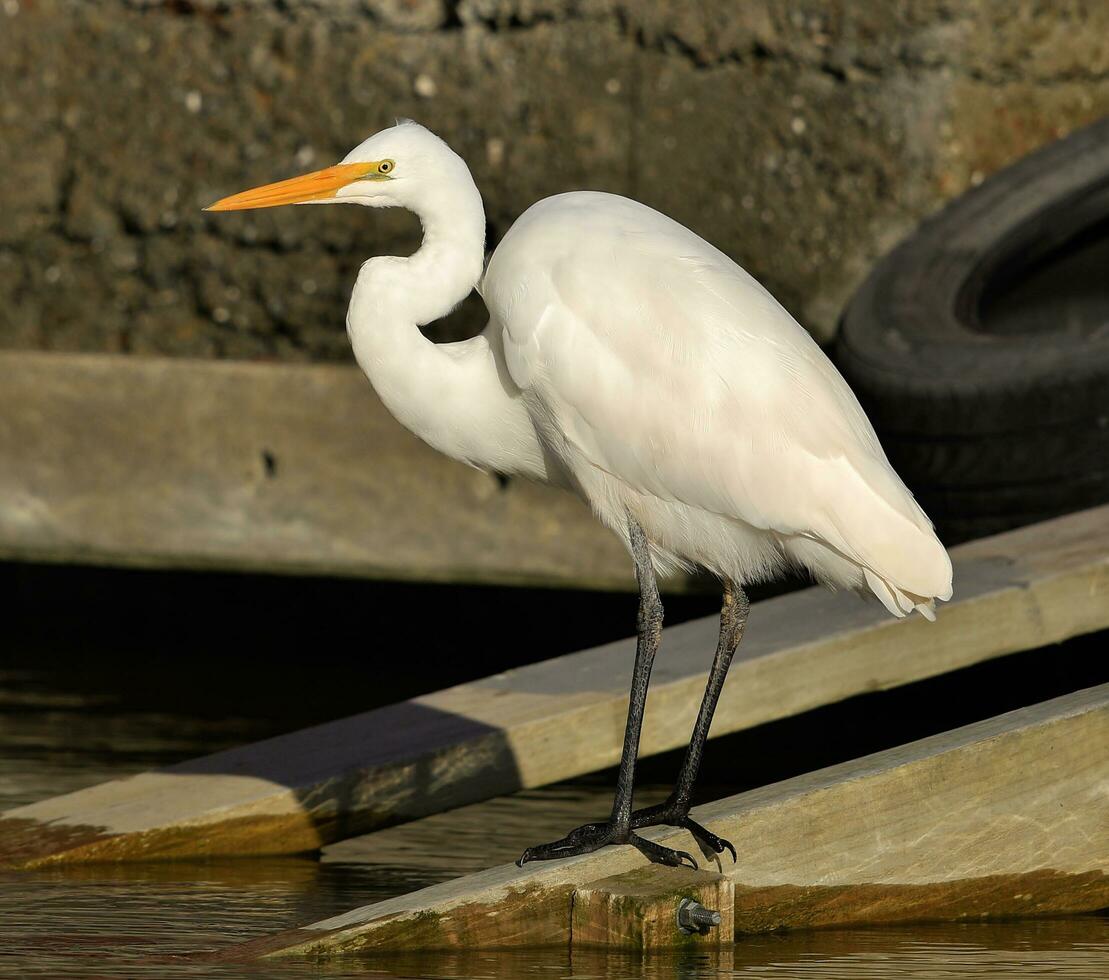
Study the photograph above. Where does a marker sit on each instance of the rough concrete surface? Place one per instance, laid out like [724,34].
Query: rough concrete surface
[802,138]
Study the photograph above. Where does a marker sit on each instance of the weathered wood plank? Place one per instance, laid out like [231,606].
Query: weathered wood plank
[1001,818]
[639,909]
[564,717]
[276,467]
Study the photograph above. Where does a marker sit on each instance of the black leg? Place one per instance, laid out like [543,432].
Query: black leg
[648,639]
[617,830]
[675,810]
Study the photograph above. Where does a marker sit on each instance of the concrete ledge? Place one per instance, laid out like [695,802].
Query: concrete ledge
[278,468]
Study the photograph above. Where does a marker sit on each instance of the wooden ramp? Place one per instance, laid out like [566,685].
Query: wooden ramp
[1006,817]
[565,717]
[276,467]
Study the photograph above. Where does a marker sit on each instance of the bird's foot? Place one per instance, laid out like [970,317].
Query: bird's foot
[672,813]
[591,836]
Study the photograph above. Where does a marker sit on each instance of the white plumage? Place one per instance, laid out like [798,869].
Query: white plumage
[630,360]
[667,381]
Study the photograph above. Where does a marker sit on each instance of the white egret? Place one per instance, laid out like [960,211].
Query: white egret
[627,359]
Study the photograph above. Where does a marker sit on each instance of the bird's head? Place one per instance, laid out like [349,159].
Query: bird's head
[397,167]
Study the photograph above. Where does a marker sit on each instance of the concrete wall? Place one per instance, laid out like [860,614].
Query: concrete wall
[802,138]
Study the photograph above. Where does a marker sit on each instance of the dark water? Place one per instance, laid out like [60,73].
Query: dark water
[77,708]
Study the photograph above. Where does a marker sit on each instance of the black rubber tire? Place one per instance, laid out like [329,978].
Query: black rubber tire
[990,430]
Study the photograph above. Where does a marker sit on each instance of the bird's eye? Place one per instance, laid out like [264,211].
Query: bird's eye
[385,166]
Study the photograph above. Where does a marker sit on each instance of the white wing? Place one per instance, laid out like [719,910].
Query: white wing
[667,366]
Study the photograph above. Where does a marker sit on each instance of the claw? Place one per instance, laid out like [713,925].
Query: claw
[683,856]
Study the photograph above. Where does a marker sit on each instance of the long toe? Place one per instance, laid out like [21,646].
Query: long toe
[557,849]
[581,840]
[662,855]
[708,839]
[673,814]
[661,813]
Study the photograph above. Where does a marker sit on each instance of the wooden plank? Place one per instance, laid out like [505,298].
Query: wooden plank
[564,717]
[1001,818]
[276,467]
[639,910]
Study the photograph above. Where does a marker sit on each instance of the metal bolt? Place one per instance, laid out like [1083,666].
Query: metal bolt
[693,917]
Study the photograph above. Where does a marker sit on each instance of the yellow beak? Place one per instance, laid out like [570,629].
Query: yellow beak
[316,186]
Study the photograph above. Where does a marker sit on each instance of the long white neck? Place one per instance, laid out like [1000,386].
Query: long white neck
[456,397]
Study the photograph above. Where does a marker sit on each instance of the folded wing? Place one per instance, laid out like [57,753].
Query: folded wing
[662,362]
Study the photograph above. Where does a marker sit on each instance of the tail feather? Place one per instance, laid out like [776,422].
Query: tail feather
[927,610]
[894,600]
[900,603]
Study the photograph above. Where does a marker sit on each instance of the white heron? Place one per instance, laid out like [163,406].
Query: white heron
[629,360]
